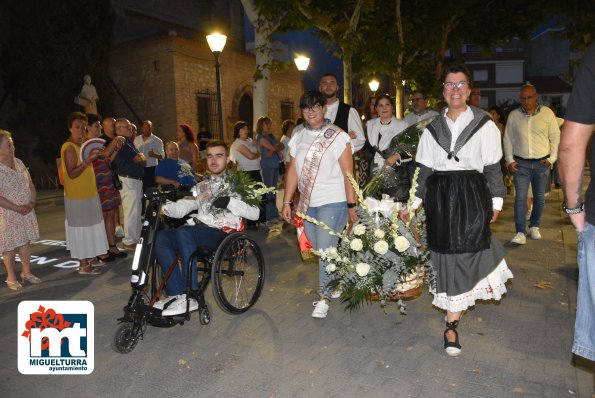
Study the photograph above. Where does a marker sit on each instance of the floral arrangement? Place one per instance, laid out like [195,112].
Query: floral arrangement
[404,143]
[377,255]
[238,183]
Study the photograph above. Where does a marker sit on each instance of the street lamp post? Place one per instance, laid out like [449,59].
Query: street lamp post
[216,43]
[302,63]
[374,84]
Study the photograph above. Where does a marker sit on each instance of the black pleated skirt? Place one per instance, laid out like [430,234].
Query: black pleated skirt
[459,209]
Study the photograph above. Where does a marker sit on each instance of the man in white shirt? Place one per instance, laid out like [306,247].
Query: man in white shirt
[152,147]
[341,114]
[419,101]
[530,149]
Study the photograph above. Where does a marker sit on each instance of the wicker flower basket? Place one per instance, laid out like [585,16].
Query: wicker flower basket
[410,289]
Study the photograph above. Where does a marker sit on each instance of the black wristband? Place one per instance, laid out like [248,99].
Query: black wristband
[350,205]
[575,210]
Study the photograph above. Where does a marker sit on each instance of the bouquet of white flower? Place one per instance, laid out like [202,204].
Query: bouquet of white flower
[378,255]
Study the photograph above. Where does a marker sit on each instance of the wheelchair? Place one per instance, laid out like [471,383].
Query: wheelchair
[236,268]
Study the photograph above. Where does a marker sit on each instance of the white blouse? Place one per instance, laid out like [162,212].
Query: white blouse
[329,186]
[483,149]
[386,132]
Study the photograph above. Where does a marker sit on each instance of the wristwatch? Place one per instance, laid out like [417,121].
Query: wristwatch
[575,210]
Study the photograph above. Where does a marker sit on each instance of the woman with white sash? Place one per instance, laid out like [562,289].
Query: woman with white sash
[320,159]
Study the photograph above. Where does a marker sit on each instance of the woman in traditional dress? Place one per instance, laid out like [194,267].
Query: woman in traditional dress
[104,179]
[18,224]
[460,183]
[381,131]
[85,230]
[187,145]
[320,159]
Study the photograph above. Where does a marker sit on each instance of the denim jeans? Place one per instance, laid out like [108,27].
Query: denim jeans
[184,240]
[270,177]
[335,216]
[584,326]
[536,174]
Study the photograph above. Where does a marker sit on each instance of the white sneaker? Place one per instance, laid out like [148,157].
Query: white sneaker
[320,309]
[119,232]
[161,303]
[519,239]
[179,306]
[534,233]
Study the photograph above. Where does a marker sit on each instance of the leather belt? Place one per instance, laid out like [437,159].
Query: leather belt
[531,160]
[133,177]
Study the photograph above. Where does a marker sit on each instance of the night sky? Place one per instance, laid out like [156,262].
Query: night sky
[306,43]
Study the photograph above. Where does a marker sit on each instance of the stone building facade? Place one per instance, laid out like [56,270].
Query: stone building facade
[169,77]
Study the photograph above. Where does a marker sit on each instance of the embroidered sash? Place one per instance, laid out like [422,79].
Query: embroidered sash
[308,176]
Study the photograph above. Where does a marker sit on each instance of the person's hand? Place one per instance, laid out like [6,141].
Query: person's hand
[221,202]
[92,157]
[547,163]
[495,214]
[352,134]
[120,141]
[404,215]
[286,212]
[153,154]
[352,215]
[23,209]
[392,159]
[512,166]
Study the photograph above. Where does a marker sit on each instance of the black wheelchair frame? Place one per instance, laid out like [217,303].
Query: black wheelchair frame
[237,268]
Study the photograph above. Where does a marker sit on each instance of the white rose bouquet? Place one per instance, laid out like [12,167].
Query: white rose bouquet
[376,257]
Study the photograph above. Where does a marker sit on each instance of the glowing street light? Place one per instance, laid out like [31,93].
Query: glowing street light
[302,62]
[216,44]
[374,84]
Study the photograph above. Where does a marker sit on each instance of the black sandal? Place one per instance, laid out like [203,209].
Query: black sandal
[453,348]
[117,255]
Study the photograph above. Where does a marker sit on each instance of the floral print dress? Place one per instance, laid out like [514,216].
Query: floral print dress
[16,229]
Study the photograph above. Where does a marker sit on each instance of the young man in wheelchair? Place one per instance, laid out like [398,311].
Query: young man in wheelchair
[206,228]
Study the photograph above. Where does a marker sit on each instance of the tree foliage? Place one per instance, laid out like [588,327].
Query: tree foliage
[47,51]
[430,27]
[338,24]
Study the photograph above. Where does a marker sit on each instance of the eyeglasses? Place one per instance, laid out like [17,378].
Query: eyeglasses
[451,85]
[527,98]
[315,108]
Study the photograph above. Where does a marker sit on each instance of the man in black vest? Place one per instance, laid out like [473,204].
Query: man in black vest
[341,114]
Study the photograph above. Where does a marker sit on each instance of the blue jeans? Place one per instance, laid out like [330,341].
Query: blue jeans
[184,240]
[536,174]
[584,326]
[335,216]
[270,177]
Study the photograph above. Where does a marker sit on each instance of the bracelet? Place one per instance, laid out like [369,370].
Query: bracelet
[350,205]
[287,202]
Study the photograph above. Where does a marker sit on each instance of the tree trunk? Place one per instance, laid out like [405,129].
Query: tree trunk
[263,30]
[347,79]
[262,73]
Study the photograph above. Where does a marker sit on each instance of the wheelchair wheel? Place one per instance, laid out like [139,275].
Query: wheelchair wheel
[125,339]
[237,273]
[204,316]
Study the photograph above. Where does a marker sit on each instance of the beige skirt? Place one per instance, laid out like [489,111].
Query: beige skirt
[85,230]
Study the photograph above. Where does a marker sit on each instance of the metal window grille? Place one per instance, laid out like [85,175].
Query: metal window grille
[206,101]
[286,110]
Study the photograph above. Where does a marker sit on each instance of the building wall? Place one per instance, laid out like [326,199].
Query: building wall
[166,94]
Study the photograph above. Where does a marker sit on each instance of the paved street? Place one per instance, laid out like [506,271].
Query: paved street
[519,347]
